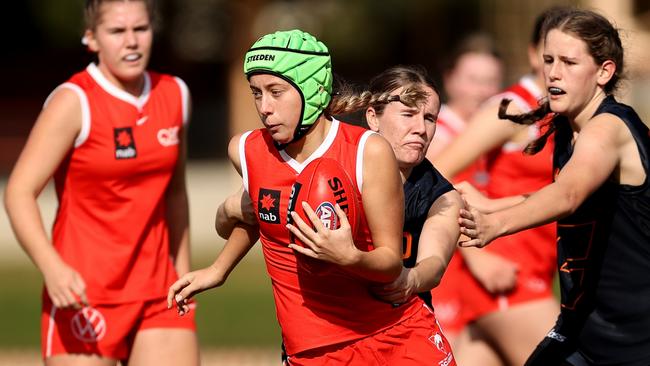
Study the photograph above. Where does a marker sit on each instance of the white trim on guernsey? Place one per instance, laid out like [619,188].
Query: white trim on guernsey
[50,333]
[360,149]
[329,139]
[528,82]
[118,93]
[533,134]
[85,110]
[242,159]
[452,120]
[185,97]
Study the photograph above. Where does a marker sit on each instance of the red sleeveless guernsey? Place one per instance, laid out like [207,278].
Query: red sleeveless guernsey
[110,225]
[512,173]
[317,303]
[448,127]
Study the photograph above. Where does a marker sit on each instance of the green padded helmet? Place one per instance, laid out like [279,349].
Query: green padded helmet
[303,61]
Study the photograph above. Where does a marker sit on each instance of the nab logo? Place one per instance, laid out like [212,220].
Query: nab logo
[327,216]
[168,136]
[88,325]
[124,143]
[268,206]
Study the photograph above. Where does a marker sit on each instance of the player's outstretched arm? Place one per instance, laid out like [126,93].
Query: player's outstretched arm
[240,242]
[596,155]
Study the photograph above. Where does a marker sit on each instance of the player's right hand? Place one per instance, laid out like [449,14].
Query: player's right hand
[65,286]
[191,284]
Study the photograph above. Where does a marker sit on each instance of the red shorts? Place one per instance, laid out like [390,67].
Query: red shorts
[417,340]
[105,330]
[447,299]
[460,298]
[531,285]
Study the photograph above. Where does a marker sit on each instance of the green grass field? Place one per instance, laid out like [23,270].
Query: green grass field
[239,314]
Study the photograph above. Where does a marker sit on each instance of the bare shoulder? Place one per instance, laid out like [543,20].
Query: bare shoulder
[377,148]
[607,128]
[62,112]
[234,152]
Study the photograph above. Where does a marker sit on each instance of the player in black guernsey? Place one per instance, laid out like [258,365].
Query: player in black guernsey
[422,188]
[431,227]
[600,197]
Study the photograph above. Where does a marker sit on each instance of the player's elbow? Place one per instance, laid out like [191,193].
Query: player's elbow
[569,203]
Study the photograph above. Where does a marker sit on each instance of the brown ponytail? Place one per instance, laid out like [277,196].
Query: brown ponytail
[530,118]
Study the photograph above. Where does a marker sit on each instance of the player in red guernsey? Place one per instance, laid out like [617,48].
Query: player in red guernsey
[121,231]
[507,291]
[472,75]
[322,291]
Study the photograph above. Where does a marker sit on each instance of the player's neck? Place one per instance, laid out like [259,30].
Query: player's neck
[302,149]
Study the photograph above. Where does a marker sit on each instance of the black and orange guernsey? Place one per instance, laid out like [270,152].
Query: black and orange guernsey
[604,263]
[422,188]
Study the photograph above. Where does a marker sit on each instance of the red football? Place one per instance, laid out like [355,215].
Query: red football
[322,184]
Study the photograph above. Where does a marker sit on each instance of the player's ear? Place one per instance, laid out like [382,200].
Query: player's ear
[90,41]
[371,119]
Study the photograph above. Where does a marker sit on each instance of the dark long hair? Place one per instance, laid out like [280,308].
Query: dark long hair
[603,43]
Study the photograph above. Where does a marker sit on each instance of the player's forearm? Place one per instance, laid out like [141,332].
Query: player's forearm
[241,240]
[429,272]
[544,206]
[27,224]
[178,224]
[498,204]
[381,265]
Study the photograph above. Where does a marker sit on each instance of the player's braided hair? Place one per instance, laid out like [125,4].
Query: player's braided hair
[532,117]
[412,80]
[603,43]
[348,101]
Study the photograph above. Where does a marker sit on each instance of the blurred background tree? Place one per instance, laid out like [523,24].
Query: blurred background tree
[203,42]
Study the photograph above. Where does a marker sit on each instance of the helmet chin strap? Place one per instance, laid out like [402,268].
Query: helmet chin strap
[301,131]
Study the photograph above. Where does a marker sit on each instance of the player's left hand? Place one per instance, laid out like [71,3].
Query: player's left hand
[335,246]
[400,290]
[480,228]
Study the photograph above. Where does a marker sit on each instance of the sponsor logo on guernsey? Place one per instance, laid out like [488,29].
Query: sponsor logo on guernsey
[260,57]
[124,143]
[438,341]
[268,206]
[168,136]
[555,335]
[295,190]
[88,325]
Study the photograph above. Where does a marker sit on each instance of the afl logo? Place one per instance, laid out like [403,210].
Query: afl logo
[88,325]
[327,216]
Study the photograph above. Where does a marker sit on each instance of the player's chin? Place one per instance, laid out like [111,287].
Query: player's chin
[411,158]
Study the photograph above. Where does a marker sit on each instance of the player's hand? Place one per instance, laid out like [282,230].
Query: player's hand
[480,228]
[191,284]
[473,196]
[400,290]
[496,274]
[335,246]
[65,286]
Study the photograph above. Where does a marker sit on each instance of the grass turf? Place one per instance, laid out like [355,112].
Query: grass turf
[238,314]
